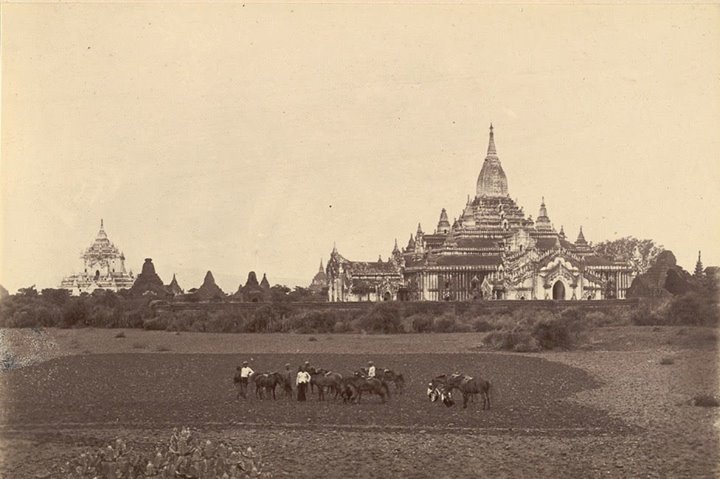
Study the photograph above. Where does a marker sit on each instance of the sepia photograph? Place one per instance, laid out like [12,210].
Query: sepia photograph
[359,239]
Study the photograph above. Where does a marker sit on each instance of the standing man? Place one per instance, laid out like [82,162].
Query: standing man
[245,373]
[371,369]
[303,378]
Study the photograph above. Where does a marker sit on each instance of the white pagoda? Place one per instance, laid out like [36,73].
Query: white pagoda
[103,268]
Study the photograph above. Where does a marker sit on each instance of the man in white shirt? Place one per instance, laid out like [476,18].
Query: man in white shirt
[371,369]
[303,379]
[245,373]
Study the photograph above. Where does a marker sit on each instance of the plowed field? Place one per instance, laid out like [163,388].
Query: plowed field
[582,414]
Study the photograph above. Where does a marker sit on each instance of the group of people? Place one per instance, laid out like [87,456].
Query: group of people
[302,379]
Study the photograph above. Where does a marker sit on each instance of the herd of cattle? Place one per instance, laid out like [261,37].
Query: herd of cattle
[350,388]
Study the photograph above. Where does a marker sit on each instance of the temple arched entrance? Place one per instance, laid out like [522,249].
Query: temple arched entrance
[387,296]
[558,290]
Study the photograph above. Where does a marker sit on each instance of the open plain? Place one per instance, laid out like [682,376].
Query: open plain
[609,409]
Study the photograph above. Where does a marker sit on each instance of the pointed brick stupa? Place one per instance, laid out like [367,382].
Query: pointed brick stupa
[492,181]
[319,281]
[148,282]
[252,292]
[443,225]
[174,287]
[264,283]
[209,290]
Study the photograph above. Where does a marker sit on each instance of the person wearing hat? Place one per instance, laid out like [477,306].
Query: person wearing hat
[245,373]
[371,369]
[287,381]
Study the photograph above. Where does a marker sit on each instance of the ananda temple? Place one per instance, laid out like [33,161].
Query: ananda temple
[103,268]
[492,251]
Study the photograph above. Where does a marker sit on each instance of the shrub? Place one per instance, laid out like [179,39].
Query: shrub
[224,322]
[75,313]
[518,341]
[383,318]
[647,317]
[184,456]
[159,323]
[482,326]
[705,400]
[449,323]
[693,309]
[551,334]
[313,322]
[421,323]
[667,361]
[120,335]
[598,319]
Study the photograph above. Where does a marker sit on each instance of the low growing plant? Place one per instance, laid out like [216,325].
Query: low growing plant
[185,455]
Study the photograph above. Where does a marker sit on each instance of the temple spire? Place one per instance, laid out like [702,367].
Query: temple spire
[581,238]
[699,267]
[321,266]
[491,152]
[101,223]
[543,209]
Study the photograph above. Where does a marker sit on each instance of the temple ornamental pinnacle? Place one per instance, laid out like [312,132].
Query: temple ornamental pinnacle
[491,251]
[103,268]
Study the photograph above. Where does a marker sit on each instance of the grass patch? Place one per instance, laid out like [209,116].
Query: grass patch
[163,349]
[120,335]
[667,361]
[139,346]
[312,338]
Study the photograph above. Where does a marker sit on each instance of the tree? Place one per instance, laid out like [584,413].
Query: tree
[361,288]
[279,293]
[301,294]
[55,296]
[29,292]
[640,253]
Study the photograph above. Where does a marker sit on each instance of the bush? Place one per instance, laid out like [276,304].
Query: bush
[555,333]
[693,309]
[184,456]
[313,322]
[383,318]
[421,323]
[159,323]
[482,326]
[75,313]
[647,317]
[518,341]
[449,323]
[598,319]
[705,400]
[667,361]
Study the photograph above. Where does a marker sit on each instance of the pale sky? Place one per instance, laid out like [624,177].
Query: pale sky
[234,138]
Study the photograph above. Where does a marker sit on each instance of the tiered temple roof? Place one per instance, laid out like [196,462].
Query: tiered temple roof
[492,235]
[103,268]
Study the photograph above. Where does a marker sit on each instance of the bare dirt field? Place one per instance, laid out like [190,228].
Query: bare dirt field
[610,409]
